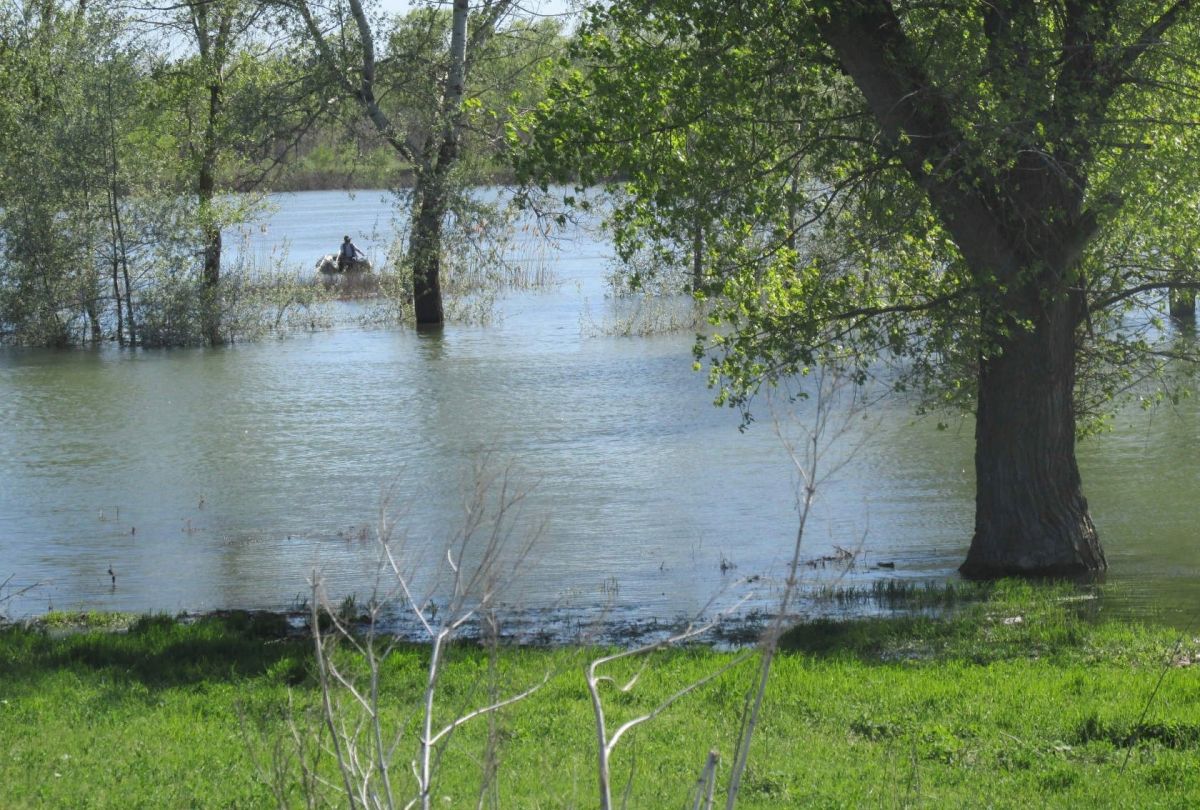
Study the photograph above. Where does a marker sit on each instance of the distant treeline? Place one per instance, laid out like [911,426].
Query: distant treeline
[332,157]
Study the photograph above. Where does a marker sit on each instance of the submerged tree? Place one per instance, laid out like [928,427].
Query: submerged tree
[228,66]
[994,196]
[426,70]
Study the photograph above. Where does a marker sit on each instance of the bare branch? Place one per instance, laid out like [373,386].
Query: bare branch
[488,709]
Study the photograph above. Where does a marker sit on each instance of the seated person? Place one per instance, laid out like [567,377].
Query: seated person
[348,255]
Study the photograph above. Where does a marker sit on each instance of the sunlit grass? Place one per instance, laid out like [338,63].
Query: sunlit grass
[1020,699]
[86,620]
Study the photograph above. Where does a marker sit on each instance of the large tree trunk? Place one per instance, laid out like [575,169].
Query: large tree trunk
[1020,231]
[1030,514]
[212,283]
[116,284]
[430,196]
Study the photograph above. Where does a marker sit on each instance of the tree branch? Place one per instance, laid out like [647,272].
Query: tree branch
[1130,292]
[869,41]
[364,92]
[1152,35]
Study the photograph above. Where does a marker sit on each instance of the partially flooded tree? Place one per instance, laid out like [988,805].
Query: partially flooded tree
[235,102]
[196,90]
[60,64]
[994,197]
[429,68]
[214,26]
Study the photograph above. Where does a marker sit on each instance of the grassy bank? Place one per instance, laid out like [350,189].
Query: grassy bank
[1018,701]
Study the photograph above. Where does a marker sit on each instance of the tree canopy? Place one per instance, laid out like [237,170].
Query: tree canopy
[992,199]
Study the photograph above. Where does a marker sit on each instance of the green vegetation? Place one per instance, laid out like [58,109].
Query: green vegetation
[133,137]
[993,202]
[1017,701]
[87,620]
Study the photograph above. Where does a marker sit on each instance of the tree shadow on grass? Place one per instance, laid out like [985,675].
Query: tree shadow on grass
[1006,620]
[876,640]
[979,633]
[162,652]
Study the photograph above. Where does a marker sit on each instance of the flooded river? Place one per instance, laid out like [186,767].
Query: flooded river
[224,477]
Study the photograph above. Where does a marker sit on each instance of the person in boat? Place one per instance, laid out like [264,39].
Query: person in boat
[349,255]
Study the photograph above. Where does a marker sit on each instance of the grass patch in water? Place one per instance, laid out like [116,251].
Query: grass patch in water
[85,620]
[978,708]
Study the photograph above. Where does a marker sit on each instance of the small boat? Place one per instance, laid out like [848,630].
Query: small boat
[328,264]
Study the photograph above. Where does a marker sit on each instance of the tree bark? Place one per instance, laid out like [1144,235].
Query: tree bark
[431,201]
[425,247]
[211,274]
[426,240]
[116,284]
[130,323]
[120,255]
[1030,514]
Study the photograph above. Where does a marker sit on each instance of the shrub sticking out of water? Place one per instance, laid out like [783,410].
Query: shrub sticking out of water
[255,301]
[353,286]
[471,288]
[278,302]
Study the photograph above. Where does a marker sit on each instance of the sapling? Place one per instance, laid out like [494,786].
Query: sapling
[606,742]
[478,563]
[830,421]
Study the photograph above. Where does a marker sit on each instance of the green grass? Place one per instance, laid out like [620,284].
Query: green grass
[980,709]
[86,620]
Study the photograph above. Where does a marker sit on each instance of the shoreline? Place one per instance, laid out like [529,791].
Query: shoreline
[1014,701]
[346,181]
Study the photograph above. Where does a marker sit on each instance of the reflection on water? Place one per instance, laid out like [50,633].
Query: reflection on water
[217,478]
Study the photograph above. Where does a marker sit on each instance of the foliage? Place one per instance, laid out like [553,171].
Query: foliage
[98,243]
[428,82]
[823,242]
[55,136]
[125,130]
